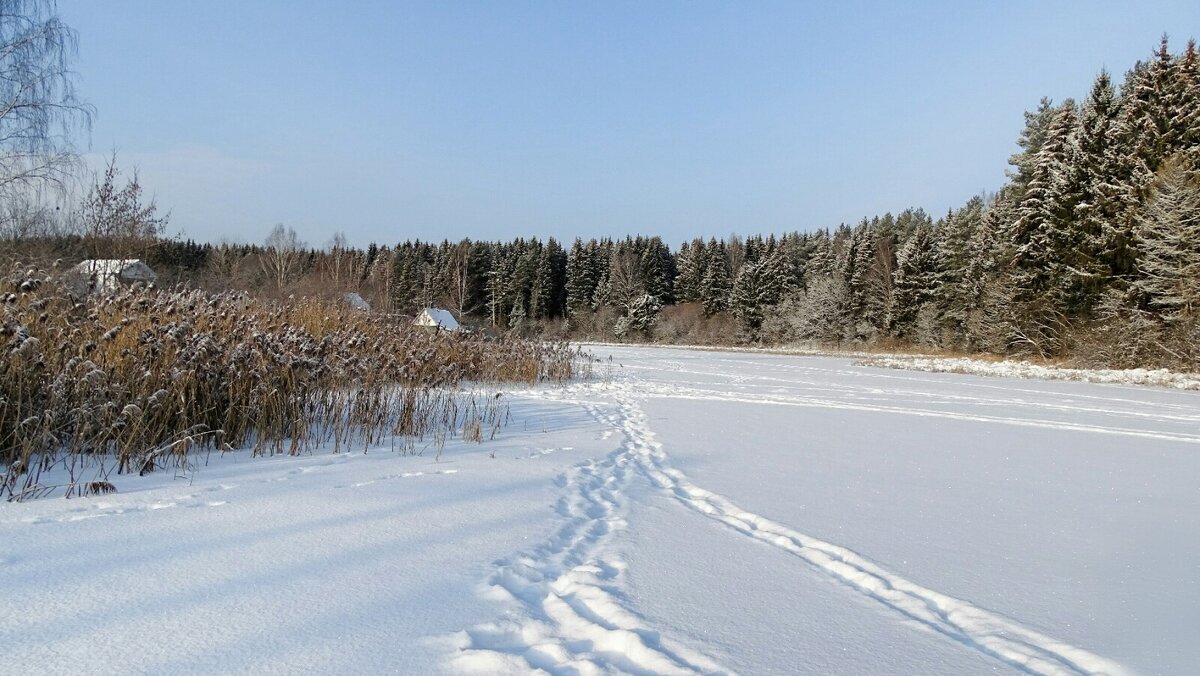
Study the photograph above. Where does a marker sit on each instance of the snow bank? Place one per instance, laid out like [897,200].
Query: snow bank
[1018,369]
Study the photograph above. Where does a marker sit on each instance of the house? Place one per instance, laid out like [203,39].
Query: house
[108,274]
[437,319]
[356,301]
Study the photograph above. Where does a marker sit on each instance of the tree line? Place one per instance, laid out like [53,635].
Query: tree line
[1090,250]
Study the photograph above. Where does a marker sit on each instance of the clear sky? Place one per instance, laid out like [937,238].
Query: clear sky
[397,120]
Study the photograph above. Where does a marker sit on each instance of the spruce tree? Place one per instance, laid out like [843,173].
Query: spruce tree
[714,286]
[1103,161]
[1151,117]
[1169,238]
[1037,123]
[581,277]
[757,287]
[1040,233]
[954,254]
[689,263]
[917,280]
[1187,106]
[821,258]
[1045,281]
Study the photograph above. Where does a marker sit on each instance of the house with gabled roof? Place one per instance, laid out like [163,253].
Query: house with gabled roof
[437,319]
[109,274]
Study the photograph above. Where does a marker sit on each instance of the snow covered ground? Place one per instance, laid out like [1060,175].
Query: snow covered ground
[1020,369]
[693,512]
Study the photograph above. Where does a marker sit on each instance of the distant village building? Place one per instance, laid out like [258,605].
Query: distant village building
[109,274]
[356,301]
[437,319]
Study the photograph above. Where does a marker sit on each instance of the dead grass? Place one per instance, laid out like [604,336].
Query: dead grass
[144,379]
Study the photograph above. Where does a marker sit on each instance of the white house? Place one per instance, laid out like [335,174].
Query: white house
[356,301]
[108,274]
[437,319]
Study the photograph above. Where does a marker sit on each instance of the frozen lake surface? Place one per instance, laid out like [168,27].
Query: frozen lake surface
[686,512]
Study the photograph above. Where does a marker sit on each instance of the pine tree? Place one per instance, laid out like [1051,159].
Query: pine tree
[986,287]
[579,283]
[406,278]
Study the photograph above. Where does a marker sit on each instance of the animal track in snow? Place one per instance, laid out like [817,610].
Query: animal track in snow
[107,508]
[544,451]
[392,477]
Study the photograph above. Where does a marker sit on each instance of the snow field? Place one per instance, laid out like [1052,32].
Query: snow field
[691,512]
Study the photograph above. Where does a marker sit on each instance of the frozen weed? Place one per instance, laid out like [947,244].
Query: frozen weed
[141,379]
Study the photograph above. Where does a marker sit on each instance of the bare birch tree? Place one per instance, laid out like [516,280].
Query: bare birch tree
[40,110]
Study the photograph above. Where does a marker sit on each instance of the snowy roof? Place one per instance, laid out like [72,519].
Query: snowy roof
[105,267]
[432,316]
[356,301]
[107,274]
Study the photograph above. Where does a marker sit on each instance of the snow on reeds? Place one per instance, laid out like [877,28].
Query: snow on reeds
[143,379]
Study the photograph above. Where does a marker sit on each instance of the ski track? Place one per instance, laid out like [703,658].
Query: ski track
[679,392]
[959,620]
[861,373]
[567,616]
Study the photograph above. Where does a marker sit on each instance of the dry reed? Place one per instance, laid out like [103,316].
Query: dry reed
[142,378]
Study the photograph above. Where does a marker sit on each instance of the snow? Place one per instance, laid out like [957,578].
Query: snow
[1019,369]
[687,512]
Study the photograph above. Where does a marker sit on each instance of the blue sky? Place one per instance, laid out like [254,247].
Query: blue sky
[396,120]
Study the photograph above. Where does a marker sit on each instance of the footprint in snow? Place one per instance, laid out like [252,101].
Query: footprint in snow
[390,477]
[544,451]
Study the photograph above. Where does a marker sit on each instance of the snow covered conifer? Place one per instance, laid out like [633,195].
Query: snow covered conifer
[1169,236]
[1037,123]
[1106,173]
[757,287]
[581,280]
[690,264]
[917,280]
[954,257]
[714,286]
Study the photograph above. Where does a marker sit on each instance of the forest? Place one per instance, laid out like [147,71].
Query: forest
[1089,253]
